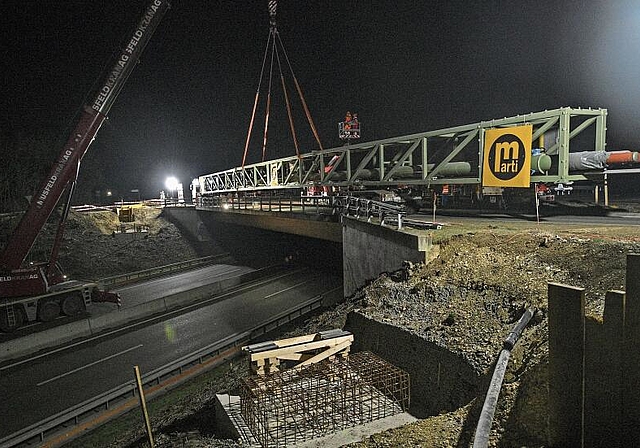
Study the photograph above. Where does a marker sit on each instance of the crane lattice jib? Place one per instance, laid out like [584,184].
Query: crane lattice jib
[65,168]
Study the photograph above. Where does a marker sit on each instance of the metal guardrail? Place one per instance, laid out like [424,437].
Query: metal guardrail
[40,431]
[370,208]
[386,213]
[160,270]
[346,205]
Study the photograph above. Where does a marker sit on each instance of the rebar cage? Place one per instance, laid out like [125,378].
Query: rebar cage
[303,404]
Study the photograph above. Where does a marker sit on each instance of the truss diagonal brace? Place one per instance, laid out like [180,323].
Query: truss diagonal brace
[454,153]
[402,159]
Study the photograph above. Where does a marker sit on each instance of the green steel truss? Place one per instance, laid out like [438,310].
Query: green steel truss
[451,156]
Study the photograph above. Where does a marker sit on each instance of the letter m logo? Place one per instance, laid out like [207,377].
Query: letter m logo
[505,151]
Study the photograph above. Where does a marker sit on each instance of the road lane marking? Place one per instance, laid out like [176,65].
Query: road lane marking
[166,316]
[89,365]
[286,289]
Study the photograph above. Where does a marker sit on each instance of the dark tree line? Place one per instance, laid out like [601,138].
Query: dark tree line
[26,159]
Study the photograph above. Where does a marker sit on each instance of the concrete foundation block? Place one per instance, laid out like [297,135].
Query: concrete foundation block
[126,315]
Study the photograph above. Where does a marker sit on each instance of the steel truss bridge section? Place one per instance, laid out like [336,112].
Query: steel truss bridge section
[444,156]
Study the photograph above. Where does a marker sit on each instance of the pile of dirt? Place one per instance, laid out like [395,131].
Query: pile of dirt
[90,250]
[107,255]
[482,282]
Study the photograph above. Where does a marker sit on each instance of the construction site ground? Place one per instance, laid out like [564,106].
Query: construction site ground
[466,300]
[90,250]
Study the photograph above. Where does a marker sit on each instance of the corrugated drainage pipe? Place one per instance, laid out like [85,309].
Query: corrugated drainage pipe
[481,439]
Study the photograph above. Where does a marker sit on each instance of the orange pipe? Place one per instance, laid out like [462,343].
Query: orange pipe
[623,157]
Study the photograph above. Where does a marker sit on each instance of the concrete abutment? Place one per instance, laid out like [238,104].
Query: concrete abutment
[368,250]
[360,249]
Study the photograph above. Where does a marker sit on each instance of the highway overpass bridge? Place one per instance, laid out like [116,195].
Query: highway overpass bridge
[360,248]
[548,147]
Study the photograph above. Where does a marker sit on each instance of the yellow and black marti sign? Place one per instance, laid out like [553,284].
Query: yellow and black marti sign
[507,157]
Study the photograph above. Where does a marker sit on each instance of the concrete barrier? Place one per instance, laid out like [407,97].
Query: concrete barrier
[131,277]
[124,316]
[230,283]
[32,343]
[192,296]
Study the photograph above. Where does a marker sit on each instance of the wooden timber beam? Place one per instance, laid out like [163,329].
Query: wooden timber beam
[266,357]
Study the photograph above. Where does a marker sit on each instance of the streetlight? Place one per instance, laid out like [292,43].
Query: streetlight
[172,184]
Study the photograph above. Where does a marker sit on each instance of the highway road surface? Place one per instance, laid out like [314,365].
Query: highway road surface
[39,387]
[147,291]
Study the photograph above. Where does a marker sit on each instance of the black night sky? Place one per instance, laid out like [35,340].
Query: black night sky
[404,66]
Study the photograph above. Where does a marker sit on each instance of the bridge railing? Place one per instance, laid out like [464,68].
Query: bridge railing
[281,203]
[370,209]
[347,205]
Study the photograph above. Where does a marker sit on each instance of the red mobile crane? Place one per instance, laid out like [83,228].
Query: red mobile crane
[40,291]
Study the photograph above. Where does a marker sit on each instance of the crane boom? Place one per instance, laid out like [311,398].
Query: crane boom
[40,291]
[65,168]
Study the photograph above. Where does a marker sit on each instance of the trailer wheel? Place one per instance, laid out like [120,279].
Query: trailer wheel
[48,311]
[72,305]
[4,320]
